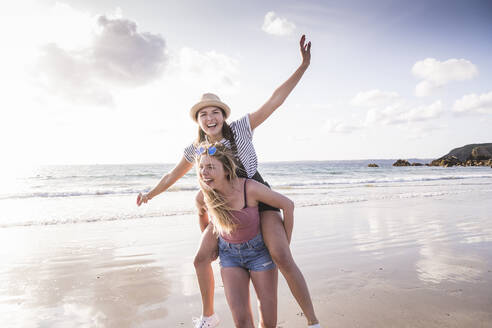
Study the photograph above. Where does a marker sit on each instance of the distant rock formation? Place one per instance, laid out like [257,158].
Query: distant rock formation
[372,165]
[401,162]
[404,162]
[469,155]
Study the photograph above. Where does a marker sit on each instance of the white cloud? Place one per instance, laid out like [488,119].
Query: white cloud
[337,126]
[402,114]
[123,54]
[474,103]
[272,24]
[424,113]
[373,98]
[206,71]
[70,75]
[425,88]
[435,74]
[391,114]
[389,108]
[117,55]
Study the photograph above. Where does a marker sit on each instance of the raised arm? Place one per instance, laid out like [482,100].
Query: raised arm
[262,193]
[282,92]
[166,181]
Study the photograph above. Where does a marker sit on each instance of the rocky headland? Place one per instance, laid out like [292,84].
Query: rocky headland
[469,155]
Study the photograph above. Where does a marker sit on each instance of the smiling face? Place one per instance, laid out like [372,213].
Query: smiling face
[211,171]
[211,120]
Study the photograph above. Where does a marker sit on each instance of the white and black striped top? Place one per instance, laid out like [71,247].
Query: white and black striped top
[243,135]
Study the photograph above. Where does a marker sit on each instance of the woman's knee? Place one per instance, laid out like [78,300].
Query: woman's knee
[208,249]
[282,258]
[201,259]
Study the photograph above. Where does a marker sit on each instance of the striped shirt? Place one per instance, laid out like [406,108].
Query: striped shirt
[243,135]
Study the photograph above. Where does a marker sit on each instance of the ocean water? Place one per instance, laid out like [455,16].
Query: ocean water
[72,194]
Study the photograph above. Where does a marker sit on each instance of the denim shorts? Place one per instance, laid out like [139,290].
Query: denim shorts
[251,255]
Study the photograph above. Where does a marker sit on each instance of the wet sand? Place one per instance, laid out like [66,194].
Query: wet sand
[416,262]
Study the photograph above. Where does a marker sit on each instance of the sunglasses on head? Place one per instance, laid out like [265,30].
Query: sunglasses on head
[210,150]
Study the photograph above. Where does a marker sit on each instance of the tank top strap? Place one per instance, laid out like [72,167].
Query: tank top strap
[245,199]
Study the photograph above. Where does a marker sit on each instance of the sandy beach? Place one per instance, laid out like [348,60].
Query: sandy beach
[412,262]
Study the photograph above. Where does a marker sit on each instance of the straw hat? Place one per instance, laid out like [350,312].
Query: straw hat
[209,99]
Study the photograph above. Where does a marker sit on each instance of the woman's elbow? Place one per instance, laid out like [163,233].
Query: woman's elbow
[277,102]
[199,199]
[289,206]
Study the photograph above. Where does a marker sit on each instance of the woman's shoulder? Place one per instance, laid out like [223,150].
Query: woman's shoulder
[252,187]
[241,125]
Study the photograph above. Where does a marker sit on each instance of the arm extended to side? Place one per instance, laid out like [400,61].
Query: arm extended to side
[166,181]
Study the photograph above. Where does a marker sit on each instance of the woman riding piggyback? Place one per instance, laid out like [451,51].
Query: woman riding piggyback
[210,114]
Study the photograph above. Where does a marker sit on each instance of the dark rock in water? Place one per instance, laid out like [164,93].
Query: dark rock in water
[417,164]
[401,162]
[469,155]
[446,161]
[372,165]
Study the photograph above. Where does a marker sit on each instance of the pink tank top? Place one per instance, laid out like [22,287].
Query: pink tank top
[248,223]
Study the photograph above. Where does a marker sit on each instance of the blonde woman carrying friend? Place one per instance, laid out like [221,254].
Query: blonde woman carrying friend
[210,115]
[232,203]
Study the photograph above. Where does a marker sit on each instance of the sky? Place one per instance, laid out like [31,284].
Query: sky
[100,82]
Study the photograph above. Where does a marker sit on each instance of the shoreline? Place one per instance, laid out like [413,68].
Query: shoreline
[413,262]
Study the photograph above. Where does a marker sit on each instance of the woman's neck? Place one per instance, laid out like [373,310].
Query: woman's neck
[228,187]
[215,138]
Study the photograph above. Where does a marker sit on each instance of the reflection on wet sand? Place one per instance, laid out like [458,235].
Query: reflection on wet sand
[436,240]
[406,263]
[86,287]
[439,264]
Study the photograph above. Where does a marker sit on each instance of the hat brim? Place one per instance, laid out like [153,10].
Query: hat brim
[208,103]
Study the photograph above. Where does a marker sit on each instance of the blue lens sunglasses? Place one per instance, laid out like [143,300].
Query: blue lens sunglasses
[210,150]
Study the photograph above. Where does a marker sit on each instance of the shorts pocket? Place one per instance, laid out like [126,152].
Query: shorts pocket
[257,244]
[222,245]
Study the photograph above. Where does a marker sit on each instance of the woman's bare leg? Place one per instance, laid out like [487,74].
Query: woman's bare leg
[276,241]
[207,252]
[236,287]
[265,283]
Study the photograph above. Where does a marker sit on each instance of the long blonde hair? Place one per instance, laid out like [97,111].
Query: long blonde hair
[222,217]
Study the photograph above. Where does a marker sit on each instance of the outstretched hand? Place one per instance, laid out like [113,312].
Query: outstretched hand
[142,198]
[305,50]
